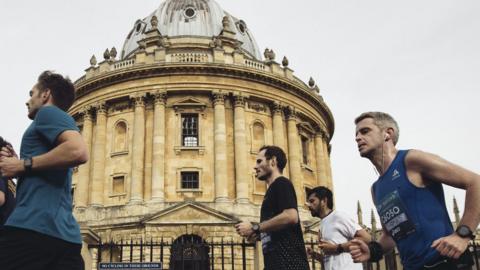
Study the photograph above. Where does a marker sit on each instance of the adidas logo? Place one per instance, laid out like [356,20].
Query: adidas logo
[395,174]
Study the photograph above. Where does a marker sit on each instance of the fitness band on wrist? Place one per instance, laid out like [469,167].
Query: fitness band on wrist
[376,251]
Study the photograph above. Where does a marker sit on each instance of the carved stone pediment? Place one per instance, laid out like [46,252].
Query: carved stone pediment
[189,103]
[188,213]
[306,127]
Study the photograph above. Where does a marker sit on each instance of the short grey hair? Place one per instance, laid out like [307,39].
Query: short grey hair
[383,121]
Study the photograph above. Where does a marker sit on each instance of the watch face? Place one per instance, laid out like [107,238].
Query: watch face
[464,231]
[28,162]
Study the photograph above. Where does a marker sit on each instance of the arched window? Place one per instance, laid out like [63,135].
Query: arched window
[120,137]
[258,136]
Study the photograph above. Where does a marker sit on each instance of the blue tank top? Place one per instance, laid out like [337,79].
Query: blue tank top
[414,217]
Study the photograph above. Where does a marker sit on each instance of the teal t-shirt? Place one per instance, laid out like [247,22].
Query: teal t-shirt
[44,200]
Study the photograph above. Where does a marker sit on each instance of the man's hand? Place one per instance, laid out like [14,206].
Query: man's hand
[11,167]
[327,247]
[8,152]
[359,251]
[244,229]
[253,238]
[451,246]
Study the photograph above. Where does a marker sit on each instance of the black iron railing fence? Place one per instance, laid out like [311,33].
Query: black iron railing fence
[195,254]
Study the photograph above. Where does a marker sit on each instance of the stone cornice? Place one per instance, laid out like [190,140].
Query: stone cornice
[84,87]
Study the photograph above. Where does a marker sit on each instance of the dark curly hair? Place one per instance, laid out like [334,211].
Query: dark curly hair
[61,88]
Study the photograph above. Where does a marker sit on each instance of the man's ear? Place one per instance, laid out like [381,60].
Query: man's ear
[273,161]
[46,95]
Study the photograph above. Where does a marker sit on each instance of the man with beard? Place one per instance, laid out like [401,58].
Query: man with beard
[279,228]
[336,231]
[410,200]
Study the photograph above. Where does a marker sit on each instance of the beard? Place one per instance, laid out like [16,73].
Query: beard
[264,176]
[314,213]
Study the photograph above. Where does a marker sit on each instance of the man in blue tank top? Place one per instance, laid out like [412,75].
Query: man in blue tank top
[410,201]
[41,233]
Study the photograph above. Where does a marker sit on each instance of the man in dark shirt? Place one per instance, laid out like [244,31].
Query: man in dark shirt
[279,228]
[7,189]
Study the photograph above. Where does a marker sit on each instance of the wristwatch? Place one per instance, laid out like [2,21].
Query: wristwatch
[27,164]
[256,228]
[464,232]
[340,249]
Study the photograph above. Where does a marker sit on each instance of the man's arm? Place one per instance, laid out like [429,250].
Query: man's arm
[424,167]
[360,251]
[2,198]
[330,248]
[69,152]
[287,218]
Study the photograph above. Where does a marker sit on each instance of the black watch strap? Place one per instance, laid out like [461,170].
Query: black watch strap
[27,163]
[340,249]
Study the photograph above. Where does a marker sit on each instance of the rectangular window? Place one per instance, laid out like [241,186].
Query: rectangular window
[190,130]
[118,184]
[305,149]
[190,180]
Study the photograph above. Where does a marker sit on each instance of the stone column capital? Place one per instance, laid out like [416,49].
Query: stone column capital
[138,100]
[86,113]
[291,113]
[276,107]
[219,98]
[100,108]
[159,97]
[320,133]
[239,100]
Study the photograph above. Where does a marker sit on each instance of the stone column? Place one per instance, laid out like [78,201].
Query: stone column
[138,150]
[278,138]
[83,181]
[99,144]
[220,134]
[327,163]
[322,178]
[294,157]
[241,166]
[158,154]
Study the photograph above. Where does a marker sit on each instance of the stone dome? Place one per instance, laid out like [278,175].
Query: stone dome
[198,18]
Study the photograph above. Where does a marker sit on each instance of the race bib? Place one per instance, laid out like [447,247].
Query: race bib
[394,218]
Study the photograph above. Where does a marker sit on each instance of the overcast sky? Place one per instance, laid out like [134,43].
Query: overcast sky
[417,60]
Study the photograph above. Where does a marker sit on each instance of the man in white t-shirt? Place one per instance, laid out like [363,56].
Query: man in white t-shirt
[336,231]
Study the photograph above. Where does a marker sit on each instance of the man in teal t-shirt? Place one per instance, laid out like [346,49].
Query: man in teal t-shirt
[42,233]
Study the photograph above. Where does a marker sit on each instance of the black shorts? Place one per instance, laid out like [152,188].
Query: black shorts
[22,249]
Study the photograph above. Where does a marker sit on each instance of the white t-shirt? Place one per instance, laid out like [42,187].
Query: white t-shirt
[338,228]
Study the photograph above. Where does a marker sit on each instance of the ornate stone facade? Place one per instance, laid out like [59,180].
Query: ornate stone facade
[174,128]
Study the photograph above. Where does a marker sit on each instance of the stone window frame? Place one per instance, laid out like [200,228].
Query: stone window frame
[114,134]
[306,131]
[197,135]
[194,106]
[252,144]
[111,191]
[179,171]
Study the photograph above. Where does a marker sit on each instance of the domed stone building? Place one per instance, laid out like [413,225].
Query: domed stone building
[174,122]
